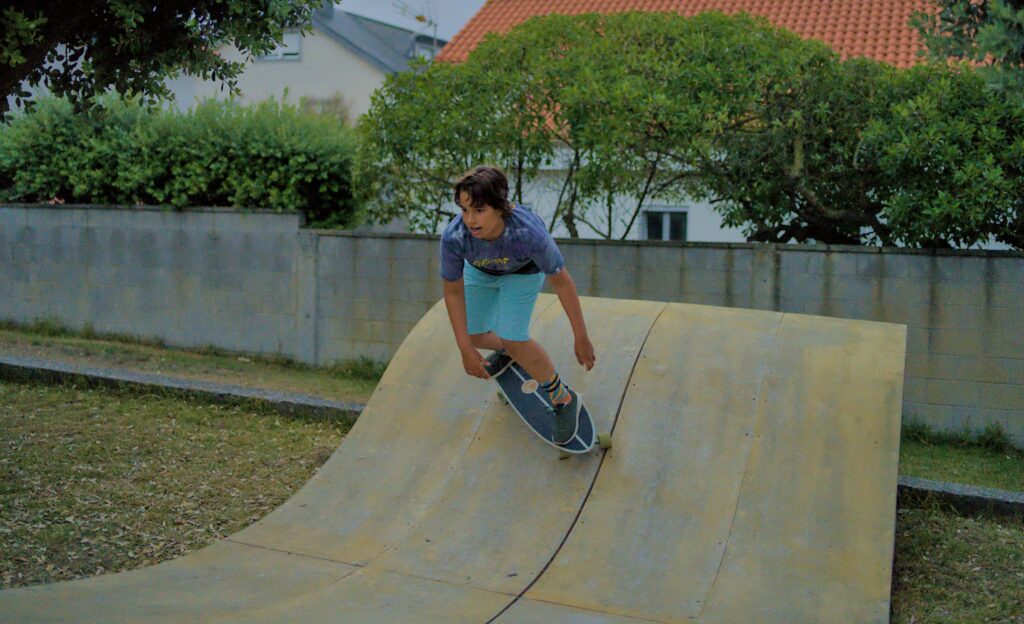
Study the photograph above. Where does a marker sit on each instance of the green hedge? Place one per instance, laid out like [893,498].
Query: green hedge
[268,156]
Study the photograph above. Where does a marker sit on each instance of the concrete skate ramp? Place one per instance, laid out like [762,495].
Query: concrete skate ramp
[753,479]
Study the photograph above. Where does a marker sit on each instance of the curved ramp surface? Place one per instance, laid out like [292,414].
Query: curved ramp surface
[753,479]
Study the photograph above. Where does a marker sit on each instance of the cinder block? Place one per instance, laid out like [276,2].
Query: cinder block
[939,366]
[957,342]
[951,392]
[958,317]
[370,309]
[856,288]
[616,257]
[703,258]
[366,247]
[1008,294]
[948,268]
[377,268]
[660,259]
[793,263]
[1002,396]
[706,282]
[918,340]
[959,293]
[801,285]
[361,330]
[409,312]
[413,249]
[582,276]
[658,285]
[408,269]
[1010,270]
[1004,342]
[977,269]
[618,283]
[906,291]
[333,247]
[938,416]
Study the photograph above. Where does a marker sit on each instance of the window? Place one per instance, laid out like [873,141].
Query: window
[665,225]
[424,50]
[290,49]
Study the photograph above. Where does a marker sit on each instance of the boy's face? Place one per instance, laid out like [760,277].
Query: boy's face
[483,221]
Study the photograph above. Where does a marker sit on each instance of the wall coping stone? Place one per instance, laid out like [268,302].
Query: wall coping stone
[861,249]
[286,403]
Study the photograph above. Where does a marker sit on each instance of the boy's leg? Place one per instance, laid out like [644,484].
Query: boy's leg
[531,356]
[488,340]
[516,299]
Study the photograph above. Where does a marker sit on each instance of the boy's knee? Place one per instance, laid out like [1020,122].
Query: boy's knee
[512,346]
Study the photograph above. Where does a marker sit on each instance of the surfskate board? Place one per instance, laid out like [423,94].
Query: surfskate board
[529,401]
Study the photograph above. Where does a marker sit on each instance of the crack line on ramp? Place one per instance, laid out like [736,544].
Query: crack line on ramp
[593,482]
[287,552]
[746,471]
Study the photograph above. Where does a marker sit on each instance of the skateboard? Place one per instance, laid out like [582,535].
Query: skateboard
[531,403]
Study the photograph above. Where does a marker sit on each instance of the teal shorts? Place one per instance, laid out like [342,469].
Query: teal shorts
[500,303]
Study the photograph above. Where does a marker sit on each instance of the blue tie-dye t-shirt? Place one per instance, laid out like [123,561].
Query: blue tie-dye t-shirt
[525,246]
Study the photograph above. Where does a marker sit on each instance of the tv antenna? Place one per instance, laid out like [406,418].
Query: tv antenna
[427,15]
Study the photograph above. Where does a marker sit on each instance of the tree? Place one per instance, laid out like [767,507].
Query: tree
[80,49]
[617,107]
[796,170]
[953,152]
[781,137]
[986,33]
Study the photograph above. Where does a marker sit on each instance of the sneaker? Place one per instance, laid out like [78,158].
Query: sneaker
[497,362]
[566,420]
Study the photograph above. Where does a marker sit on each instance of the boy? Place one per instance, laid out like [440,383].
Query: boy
[494,257]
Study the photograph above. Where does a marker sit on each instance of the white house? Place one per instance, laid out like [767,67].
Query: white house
[345,57]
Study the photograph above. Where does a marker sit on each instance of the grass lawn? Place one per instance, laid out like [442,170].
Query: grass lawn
[94,481]
[951,569]
[351,381]
[974,465]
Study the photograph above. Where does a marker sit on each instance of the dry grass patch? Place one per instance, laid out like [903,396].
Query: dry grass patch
[951,569]
[94,481]
[352,381]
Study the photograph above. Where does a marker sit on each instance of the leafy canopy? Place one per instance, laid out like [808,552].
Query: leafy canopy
[80,49]
[602,115]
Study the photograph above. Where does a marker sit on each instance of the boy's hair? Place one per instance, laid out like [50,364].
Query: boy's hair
[484,185]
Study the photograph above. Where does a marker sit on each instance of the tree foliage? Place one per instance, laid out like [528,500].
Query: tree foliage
[618,105]
[786,141]
[79,49]
[268,156]
[985,33]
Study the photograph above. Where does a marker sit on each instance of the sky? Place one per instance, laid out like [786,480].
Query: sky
[450,15]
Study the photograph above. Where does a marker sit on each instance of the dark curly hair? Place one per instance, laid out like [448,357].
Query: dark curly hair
[485,186]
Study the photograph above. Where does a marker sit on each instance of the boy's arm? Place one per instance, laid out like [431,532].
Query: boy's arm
[565,288]
[455,301]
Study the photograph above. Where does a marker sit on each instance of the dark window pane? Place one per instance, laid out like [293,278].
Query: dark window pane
[654,229]
[677,226]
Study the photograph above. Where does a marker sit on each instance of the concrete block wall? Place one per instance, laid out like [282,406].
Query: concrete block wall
[257,282]
[964,310]
[196,278]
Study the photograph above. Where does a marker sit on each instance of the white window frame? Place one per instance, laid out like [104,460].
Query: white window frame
[290,48]
[665,221]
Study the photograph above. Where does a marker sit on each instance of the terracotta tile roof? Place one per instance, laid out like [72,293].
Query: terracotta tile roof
[878,29]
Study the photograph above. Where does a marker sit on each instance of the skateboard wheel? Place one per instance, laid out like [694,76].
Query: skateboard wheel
[605,440]
[563,455]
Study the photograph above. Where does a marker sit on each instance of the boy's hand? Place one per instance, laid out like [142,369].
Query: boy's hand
[474,363]
[585,353]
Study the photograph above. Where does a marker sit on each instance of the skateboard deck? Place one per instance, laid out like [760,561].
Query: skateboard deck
[531,403]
